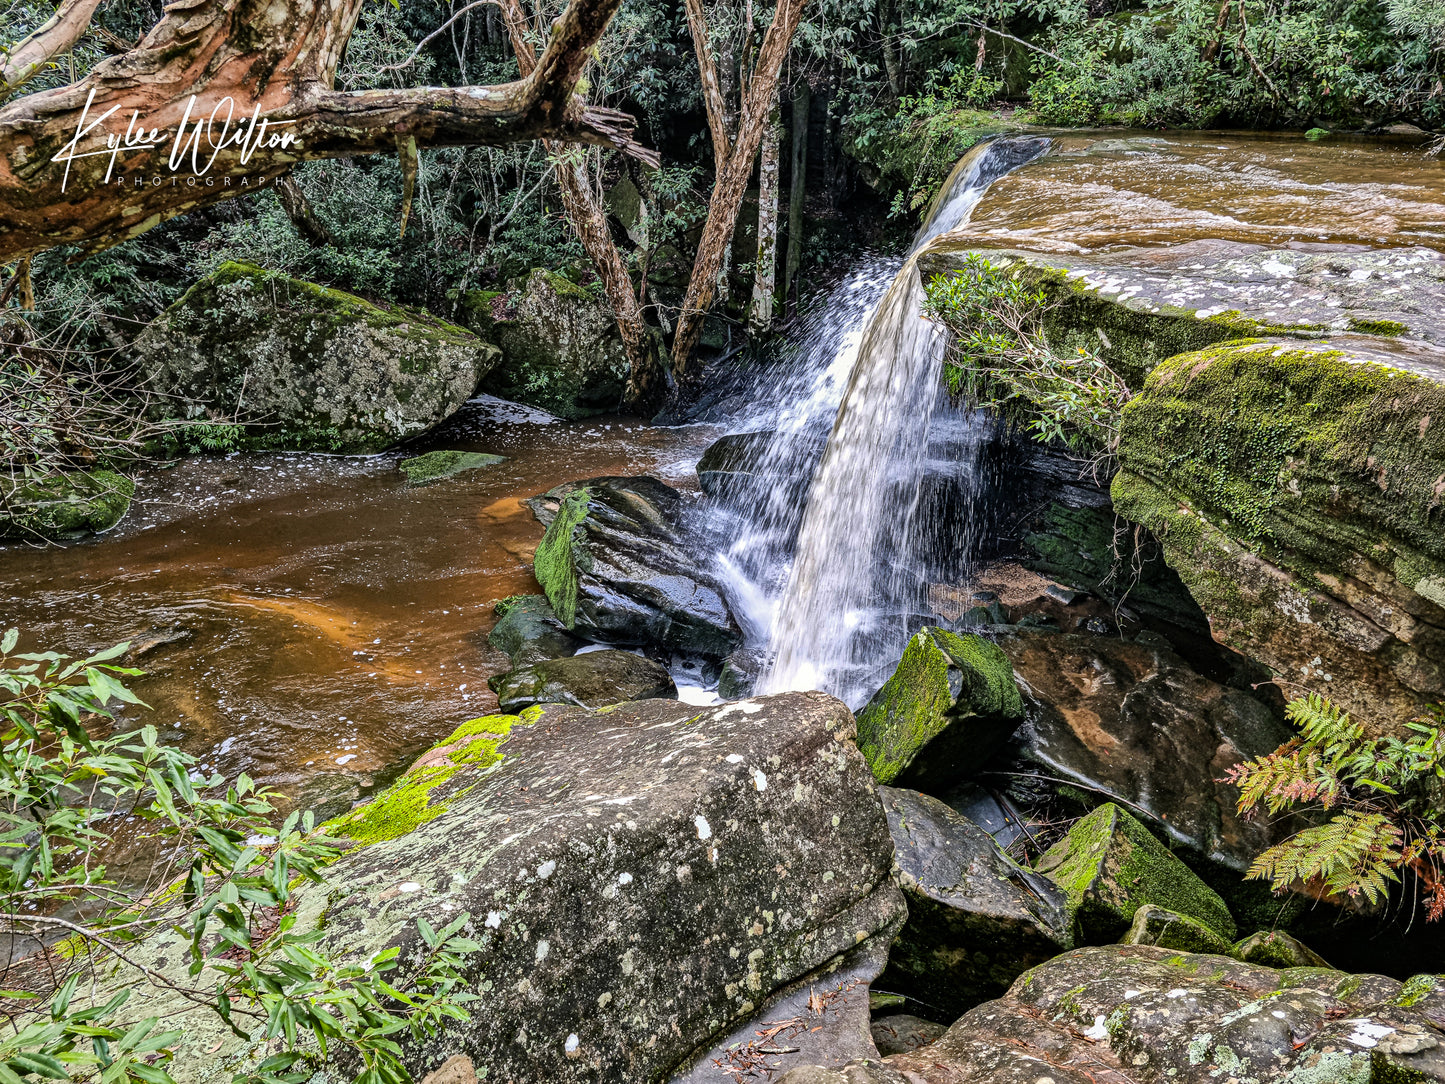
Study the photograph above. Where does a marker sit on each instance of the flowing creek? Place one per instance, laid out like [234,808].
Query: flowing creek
[329,622]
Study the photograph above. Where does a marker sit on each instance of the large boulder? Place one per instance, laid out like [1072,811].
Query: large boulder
[561,349]
[642,881]
[1133,720]
[594,679]
[619,568]
[58,507]
[1131,1014]
[976,919]
[1109,866]
[951,701]
[1300,493]
[305,366]
[1142,306]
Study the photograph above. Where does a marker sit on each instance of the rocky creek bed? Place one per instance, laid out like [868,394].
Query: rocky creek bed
[495,660]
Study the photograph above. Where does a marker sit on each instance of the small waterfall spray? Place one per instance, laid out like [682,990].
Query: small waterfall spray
[856,577]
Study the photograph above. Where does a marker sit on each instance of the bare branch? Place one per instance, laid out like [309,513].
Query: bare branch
[58,35]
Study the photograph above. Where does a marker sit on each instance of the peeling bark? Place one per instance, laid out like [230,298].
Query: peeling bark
[731,184]
[57,36]
[647,380]
[765,270]
[712,94]
[276,57]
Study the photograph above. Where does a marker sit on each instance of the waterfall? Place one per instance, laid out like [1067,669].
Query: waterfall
[859,574]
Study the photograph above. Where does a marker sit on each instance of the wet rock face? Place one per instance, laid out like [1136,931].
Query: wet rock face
[1142,1015]
[618,568]
[1300,494]
[642,881]
[560,346]
[1109,866]
[528,631]
[733,466]
[976,920]
[1143,306]
[949,704]
[311,367]
[1131,719]
[58,507]
[595,679]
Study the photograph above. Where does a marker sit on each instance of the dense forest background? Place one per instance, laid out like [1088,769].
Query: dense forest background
[879,97]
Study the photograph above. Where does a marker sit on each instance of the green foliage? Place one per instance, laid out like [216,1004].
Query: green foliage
[224,881]
[1000,358]
[1390,797]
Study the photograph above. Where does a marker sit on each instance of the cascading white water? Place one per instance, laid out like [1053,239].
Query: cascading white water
[856,582]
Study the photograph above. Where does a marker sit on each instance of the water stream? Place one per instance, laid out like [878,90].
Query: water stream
[864,556]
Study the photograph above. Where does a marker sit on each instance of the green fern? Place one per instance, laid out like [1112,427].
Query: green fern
[1390,793]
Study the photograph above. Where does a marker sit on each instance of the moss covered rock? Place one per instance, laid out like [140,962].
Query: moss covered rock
[63,506]
[1139,307]
[1275,948]
[976,919]
[1136,1014]
[1299,491]
[642,881]
[422,470]
[619,567]
[1109,866]
[950,702]
[595,679]
[528,631]
[1160,926]
[305,366]
[561,349]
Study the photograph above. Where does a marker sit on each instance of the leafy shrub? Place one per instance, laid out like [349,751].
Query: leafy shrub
[1389,794]
[1000,358]
[224,880]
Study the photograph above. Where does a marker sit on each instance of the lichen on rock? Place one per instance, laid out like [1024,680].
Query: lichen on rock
[304,366]
[62,506]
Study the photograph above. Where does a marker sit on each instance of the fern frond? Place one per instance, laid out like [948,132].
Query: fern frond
[1290,775]
[1354,854]
[1326,727]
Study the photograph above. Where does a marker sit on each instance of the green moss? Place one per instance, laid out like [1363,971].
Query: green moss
[1378,327]
[1307,455]
[433,466]
[987,674]
[408,803]
[908,712]
[1110,865]
[1418,989]
[60,506]
[1161,927]
[555,563]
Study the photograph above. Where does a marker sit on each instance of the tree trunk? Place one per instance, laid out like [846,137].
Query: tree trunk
[58,35]
[732,181]
[765,269]
[1221,21]
[712,94]
[797,184]
[299,210]
[647,380]
[235,60]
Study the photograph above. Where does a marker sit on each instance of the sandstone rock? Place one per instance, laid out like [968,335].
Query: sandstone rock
[1275,948]
[976,920]
[1127,1014]
[528,631]
[434,466]
[901,1033]
[1300,493]
[307,367]
[561,349]
[1131,719]
[641,881]
[58,507]
[618,568]
[1109,866]
[1164,928]
[595,679]
[951,701]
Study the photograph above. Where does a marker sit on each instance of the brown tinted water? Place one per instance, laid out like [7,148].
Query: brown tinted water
[334,618]
[1106,191]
